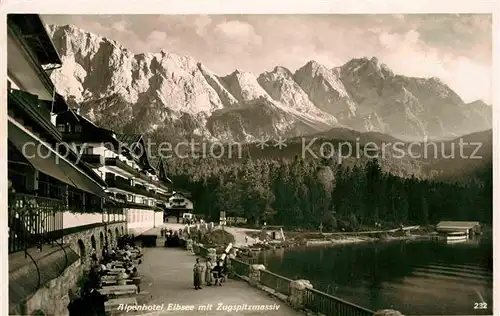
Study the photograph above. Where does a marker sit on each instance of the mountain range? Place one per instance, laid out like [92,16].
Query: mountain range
[172,97]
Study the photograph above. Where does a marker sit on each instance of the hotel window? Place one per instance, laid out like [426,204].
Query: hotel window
[78,128]
[89,150]
[130,198]
[61,128]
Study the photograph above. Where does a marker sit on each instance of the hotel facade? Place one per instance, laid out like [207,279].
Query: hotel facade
[73,186]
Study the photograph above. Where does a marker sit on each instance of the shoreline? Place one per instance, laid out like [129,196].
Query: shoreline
[358,240]
[248,242]
[310,239]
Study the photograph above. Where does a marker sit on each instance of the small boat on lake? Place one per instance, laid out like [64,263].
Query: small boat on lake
[453,237]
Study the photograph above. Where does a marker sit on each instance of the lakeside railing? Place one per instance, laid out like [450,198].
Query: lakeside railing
[203,252]
[240,268]
[314,300]
[276,282]
[326,304]
[250,260]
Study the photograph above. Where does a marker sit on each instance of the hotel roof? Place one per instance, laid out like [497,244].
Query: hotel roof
[129,139]
[456,224]
[35,34]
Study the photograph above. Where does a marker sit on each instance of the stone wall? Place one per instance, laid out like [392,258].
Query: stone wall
[83,242]
[52,297]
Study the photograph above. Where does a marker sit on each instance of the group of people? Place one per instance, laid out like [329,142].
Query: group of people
[172,238]
[215,272]
[91,302]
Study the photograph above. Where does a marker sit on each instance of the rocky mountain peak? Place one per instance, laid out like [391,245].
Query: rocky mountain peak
[325,89]
[282,71]
[243,86]
[313,68]
[480,104]
[366,67]
[278,73]
[172,96]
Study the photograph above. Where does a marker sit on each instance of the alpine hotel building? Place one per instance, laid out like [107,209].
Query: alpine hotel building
[65,200]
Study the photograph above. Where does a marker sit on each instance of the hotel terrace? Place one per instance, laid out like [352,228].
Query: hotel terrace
[61,207]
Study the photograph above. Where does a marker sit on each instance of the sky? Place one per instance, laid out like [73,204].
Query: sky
[457,48]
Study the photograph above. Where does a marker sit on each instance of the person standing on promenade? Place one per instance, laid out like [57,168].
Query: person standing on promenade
[136,279]
[197,273]
[217,271]
[208,272]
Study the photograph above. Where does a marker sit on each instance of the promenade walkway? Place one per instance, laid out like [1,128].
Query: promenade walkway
[168,279]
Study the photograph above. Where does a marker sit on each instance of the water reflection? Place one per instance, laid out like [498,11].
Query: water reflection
[417,277]
[279,253]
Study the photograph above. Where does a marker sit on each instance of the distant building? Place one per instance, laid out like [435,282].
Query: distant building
[274,232]
[471,228]
[178,204]
[236,220]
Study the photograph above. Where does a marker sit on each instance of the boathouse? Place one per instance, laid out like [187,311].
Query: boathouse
[471,228]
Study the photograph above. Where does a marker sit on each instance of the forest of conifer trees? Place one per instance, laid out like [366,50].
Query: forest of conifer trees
[305,194]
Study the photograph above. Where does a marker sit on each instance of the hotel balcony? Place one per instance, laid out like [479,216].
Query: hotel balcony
[121,201]
[163,197]
[115,163]
[126,185]
[94,160]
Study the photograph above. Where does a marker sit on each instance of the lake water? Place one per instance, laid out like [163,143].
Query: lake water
[414,277]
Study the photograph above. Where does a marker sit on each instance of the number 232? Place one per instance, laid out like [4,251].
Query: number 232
[480,305]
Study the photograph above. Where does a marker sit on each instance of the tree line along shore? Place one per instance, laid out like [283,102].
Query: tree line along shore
[316,194]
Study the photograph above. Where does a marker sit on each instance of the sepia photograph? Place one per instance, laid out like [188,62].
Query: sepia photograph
[249,163]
